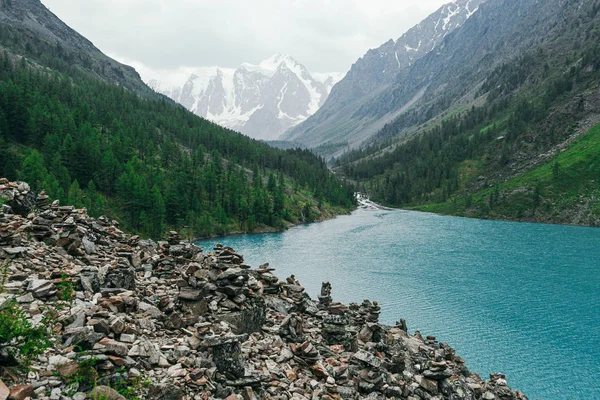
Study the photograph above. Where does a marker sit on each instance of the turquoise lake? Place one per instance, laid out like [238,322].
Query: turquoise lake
[521,299]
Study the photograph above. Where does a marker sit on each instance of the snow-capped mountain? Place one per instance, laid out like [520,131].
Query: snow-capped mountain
[357,103]
[261,101]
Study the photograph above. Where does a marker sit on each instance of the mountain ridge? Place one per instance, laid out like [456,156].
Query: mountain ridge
[260,100]
[45,32]
[502,104]
[340,120]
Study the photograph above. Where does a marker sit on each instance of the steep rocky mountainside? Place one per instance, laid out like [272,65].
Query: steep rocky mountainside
[261,101]
[27,27]
[127,318]
[344,119]
[505,125]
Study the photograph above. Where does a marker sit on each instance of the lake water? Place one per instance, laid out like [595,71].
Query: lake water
[521,299]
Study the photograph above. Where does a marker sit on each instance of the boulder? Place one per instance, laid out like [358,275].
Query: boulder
[164,392]
[106,393]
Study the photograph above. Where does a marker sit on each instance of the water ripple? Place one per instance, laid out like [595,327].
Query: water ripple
[522,299]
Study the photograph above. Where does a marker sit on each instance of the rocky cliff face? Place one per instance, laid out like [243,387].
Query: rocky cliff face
[261,101]
[339,120]
[193,324]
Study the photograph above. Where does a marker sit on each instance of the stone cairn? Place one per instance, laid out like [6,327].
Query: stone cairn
[196,325]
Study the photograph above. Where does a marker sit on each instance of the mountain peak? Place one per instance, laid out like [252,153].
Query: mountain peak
[278,93]
[375,72]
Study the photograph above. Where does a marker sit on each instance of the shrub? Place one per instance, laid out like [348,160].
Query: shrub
[19,339]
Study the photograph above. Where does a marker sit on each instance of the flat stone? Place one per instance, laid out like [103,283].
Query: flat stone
[13,251]
[164,392]
[438,375]
[190,294]
[112,346]
[41,288]
[176,370]
[232,273]
[26,298]
[222,340]
[368,358]
[149,309]
[127,338]
[194,342]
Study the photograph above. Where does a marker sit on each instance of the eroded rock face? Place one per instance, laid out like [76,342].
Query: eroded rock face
[200,325]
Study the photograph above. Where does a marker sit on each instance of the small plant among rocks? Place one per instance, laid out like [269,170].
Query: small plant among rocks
[20,341]
[66,292]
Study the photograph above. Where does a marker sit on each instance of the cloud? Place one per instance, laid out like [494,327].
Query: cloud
[168,35]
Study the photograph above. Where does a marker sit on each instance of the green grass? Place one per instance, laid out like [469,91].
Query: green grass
[569,193]
[495,124]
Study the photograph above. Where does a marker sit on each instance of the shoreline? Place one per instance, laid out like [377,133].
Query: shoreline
[364,203]
[164,320]
[269,229]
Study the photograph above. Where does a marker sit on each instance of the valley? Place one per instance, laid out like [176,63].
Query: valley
[454,170]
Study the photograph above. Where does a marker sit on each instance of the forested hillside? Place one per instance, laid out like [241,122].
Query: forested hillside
[145,161]
[527,112]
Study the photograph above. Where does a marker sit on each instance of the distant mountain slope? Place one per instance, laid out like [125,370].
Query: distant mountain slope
[344,118]
[509,91]
[261,101]
[90,132]
[29,28]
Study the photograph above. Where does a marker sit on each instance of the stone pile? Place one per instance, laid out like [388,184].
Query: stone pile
[169,321]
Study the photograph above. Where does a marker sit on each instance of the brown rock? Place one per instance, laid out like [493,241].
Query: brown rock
[4,392]
[21,392]
[291,375]
[319,371]
[430,385]
[68,368]
[118,361]
[112,346]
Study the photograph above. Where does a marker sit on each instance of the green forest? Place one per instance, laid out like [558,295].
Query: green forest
[149,163]
[461,160]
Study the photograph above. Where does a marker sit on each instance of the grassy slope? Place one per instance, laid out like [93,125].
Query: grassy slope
[565,189]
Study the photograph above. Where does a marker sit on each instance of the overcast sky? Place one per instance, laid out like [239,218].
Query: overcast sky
[178,35]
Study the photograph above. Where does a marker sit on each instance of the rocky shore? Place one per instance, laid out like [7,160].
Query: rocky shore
[168,321]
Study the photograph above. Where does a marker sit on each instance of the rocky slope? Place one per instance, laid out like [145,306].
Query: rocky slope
[261,101]
[167,320]
[341,120]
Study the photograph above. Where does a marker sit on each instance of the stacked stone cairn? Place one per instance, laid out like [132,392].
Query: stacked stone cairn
[175,322]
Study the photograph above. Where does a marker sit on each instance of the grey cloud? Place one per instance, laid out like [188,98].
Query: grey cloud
[325,35]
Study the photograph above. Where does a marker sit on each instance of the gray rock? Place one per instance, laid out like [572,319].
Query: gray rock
[88,246]
[41,288]
[164,392]
[123,278]
[249,320]
[368,358]
[90,281]
[150,310]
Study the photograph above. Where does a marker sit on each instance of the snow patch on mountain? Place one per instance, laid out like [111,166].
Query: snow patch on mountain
[261,100]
